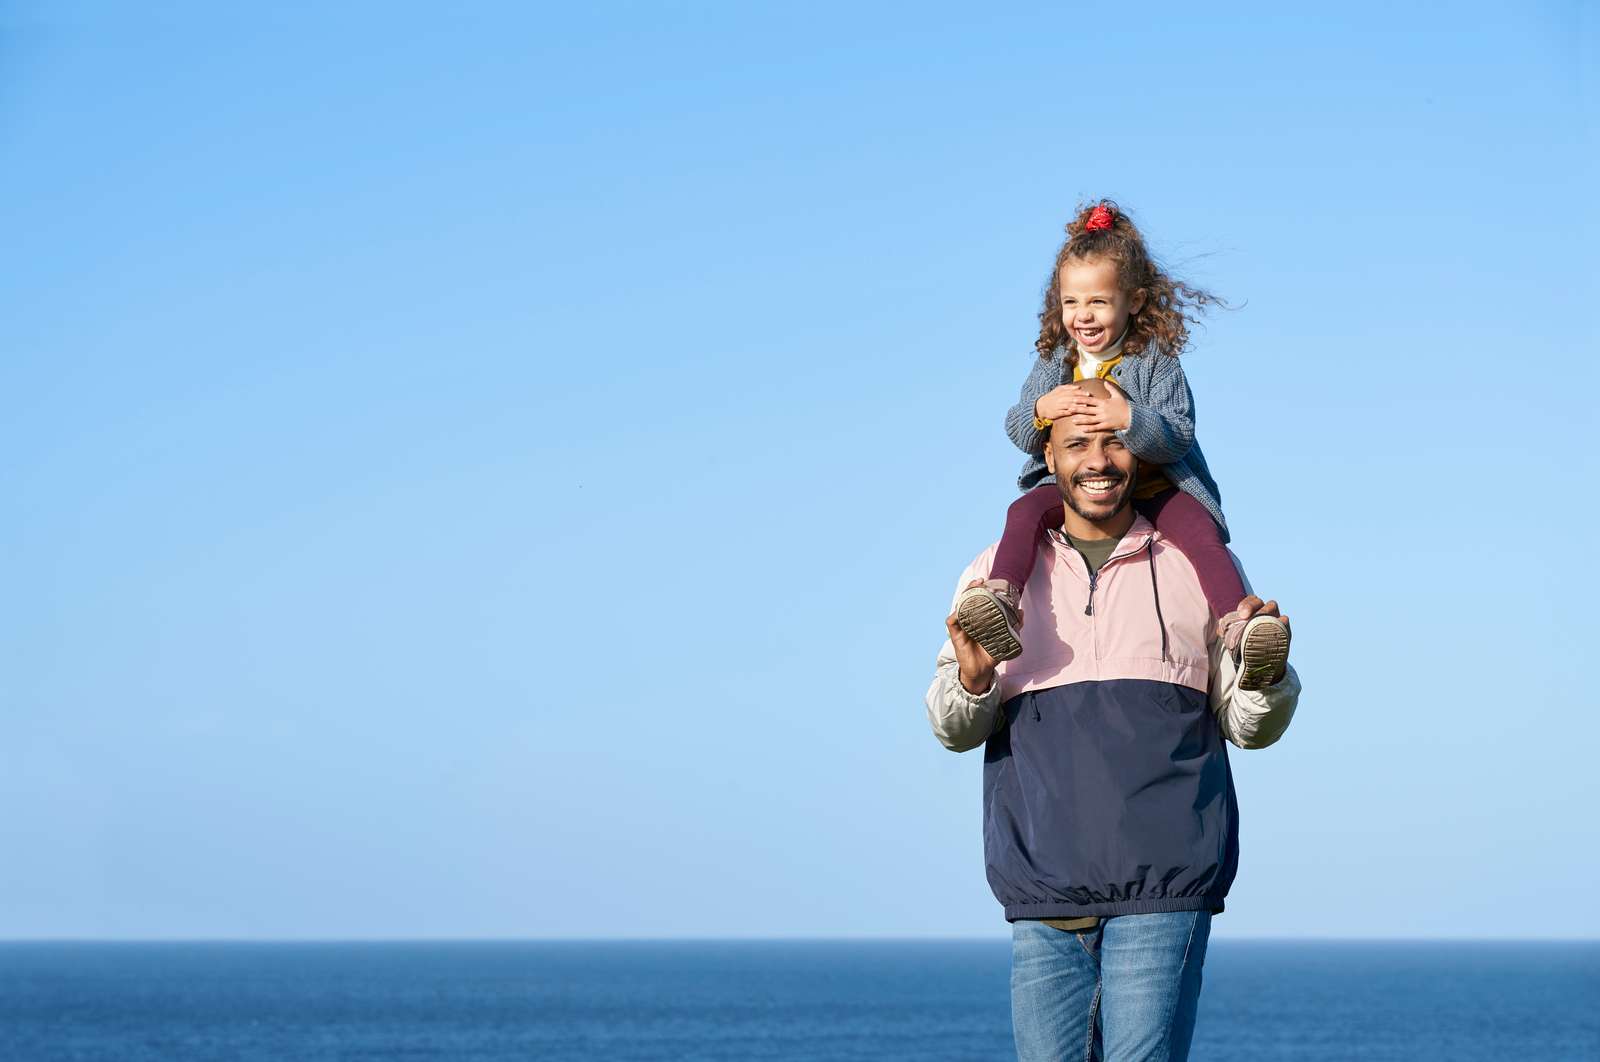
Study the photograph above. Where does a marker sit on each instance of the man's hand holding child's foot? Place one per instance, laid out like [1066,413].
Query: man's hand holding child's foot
[988,616]
[1257,637]
[975,664]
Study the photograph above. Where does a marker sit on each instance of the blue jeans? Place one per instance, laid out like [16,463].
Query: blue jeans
[1127,990]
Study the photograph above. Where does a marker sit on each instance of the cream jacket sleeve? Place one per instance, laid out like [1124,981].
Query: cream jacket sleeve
[1251,719]
[962,720]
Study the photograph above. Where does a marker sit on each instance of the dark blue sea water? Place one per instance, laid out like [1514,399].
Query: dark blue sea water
[758,1000]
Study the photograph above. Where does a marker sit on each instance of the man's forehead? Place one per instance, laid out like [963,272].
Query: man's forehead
[1064,431]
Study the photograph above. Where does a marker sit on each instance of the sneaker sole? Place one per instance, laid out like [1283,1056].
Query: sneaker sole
[985,624]
[1263,652]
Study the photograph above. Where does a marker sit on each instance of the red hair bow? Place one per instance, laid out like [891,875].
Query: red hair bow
[1100,218]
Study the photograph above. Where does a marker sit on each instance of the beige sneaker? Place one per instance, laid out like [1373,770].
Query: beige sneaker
[991,616]
[1262,653]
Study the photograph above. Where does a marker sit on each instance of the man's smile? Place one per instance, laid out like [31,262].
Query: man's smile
[1098,485]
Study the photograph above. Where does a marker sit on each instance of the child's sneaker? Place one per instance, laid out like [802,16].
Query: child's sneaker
[992,616]
[1260,646]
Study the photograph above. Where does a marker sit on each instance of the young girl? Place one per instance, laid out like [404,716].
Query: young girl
[1111,312]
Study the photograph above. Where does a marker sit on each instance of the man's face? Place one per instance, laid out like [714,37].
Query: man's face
[1093,469]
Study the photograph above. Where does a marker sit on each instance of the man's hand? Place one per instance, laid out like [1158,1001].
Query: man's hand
[1053,405]
[977,666]
[1253,606]
[1111,413]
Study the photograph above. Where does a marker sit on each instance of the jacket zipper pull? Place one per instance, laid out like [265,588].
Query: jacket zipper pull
[1088,609]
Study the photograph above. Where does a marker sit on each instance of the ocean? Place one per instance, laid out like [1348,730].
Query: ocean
[813,1000]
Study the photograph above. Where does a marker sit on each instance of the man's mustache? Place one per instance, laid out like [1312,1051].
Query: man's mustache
[1115,477]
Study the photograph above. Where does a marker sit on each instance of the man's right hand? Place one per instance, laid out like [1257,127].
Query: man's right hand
[977,666]
[1053,405]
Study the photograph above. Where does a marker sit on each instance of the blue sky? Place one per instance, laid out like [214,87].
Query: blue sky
[503,474]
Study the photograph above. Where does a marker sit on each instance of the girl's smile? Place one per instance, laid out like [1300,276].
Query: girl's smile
[1094,308]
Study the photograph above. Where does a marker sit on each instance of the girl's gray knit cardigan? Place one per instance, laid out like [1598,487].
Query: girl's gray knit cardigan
[1161,429]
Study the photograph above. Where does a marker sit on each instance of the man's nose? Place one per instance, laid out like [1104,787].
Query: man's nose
[1097,459]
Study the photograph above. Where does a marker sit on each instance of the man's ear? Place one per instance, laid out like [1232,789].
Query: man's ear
[1049,453]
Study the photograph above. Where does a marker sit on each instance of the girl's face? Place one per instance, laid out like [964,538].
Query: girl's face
[1094,308]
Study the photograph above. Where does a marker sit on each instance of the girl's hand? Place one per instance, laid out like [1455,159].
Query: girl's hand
[1111,413]
[1053,405]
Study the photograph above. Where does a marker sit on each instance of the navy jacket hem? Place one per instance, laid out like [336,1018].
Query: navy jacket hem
[1015,911]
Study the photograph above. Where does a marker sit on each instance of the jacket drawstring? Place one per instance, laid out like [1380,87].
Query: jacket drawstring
[1156,593]
[1088,608]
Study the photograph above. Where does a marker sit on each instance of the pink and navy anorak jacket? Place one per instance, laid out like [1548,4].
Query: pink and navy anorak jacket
[1106,785]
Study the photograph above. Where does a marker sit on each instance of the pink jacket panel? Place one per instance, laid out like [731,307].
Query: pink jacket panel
[1134,602]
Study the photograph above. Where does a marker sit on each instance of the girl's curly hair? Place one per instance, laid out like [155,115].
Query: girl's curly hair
[1161,324]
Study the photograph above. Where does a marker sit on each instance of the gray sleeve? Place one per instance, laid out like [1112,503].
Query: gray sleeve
[1045,377]
[1161,428]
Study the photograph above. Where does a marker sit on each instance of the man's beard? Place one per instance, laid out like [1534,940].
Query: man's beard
[1123,500]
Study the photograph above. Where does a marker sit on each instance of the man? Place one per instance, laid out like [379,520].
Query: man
[1110,824]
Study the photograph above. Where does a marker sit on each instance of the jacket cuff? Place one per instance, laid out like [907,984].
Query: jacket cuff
[986,700]
[962,720]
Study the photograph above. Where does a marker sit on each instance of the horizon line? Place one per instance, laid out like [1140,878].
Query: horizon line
[817,939]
